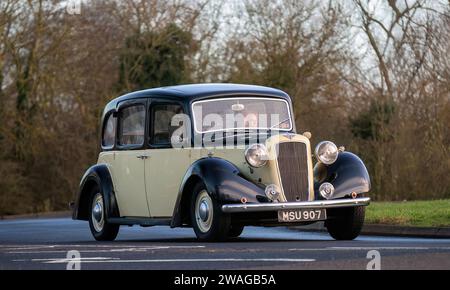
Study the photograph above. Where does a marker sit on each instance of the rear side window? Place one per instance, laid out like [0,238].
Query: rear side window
[109,131]
[132,125]
[162,128]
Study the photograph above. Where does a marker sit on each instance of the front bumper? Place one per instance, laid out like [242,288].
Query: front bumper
[259,207]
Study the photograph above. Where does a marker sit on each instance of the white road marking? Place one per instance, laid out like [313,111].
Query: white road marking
[113,250]
[92,260]
[56,249]
[75,260]
[368,248]
[24,247]
[390,248]
[67,260]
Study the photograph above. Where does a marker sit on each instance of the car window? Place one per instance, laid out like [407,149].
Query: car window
[109,131]
[131,125]
[241,113]
[162,127]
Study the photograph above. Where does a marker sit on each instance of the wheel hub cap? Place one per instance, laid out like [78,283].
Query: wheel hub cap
[97,216]
[204,211]
[98,212]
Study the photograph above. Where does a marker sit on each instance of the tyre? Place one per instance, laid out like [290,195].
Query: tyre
[235,231]
[100,228]
[207,219]
[348,223]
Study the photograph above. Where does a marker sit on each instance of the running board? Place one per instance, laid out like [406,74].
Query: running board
[145,222]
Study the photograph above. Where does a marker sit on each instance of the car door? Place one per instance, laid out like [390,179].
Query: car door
[129,159]
[166,166]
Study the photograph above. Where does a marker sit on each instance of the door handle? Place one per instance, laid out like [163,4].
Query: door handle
[142,157]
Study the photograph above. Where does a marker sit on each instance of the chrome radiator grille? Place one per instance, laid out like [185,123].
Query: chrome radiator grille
[293,166]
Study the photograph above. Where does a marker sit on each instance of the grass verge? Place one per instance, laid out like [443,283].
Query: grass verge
[433,213]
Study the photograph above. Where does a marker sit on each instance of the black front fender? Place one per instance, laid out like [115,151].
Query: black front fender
[96,175]
[348,174]
[222,180]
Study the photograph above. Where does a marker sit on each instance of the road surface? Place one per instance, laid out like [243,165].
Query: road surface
[45,243]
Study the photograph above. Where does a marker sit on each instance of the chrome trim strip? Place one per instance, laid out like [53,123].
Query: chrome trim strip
[233,208]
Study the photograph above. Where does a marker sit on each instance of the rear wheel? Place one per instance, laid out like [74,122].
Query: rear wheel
[100,228]
[348,223]
[208,220]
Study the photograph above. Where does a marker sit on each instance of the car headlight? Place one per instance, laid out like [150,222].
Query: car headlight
[327,152]
[256,155]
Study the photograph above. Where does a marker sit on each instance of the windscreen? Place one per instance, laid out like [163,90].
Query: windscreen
[241,113]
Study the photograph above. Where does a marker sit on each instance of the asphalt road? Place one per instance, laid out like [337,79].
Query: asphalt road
[44,244]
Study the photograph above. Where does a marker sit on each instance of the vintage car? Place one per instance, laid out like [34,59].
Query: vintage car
[217,157]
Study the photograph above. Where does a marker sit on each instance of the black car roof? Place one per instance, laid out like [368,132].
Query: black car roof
[193,92]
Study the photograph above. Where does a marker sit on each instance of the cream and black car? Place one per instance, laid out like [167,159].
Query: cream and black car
[217,157]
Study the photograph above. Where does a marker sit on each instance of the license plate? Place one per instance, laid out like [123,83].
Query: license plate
[301,215]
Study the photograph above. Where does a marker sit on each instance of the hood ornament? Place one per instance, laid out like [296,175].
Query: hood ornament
[289,135]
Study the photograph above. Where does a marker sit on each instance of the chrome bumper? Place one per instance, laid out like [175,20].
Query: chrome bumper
[233,208]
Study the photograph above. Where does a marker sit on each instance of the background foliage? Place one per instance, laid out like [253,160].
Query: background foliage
[373,76]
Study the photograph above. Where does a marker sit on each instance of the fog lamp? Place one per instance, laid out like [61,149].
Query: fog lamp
[272,192]
[326,190]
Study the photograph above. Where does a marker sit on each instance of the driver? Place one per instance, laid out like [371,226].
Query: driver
[251,120]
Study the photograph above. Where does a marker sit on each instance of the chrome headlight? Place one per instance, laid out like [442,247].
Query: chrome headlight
[256,155]
[326,152]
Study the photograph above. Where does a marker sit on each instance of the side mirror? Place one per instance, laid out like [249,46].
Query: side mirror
[307,134]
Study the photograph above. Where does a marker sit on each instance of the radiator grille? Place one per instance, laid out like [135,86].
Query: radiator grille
[293,166]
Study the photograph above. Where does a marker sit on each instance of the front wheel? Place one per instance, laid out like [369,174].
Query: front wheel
[100,228]
[347,224]
[208,220]
[235,231]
